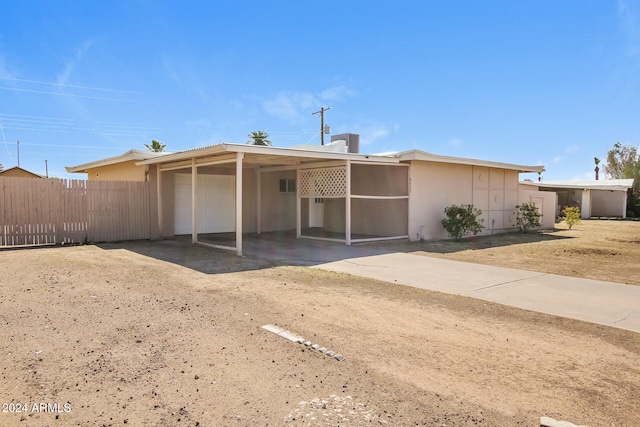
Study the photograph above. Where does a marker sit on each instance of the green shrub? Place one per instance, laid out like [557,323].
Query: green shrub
[527,217]
[461,220]
[571,216]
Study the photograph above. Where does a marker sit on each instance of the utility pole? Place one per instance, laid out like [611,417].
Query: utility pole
[46,167]
[322,129]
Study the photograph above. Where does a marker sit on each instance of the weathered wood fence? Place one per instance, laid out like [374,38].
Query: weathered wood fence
[56,211]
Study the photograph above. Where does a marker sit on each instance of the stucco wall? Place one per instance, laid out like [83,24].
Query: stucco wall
[434,186]
[278,210]
[608,203]
[125,171]
[545,201]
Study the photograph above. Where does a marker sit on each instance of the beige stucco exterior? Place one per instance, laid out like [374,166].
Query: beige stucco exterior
[119,168]
[347,196]
[126,171]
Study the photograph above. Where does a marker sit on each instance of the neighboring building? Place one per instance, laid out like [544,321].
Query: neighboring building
[595,198]
[118,168]
[18,172]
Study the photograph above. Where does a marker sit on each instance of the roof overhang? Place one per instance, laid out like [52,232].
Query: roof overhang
[605,184]
[419,155]
[128,156]
[266,156]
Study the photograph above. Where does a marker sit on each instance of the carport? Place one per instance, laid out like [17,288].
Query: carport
[232,189]
[595,198]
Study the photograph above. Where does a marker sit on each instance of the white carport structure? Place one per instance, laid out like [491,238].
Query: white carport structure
[234,188]
[595,198]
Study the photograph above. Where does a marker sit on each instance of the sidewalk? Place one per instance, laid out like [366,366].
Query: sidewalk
[605,303]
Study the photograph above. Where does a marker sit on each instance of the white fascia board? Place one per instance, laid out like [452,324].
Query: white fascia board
[128,156]
[428,157]
[270,151]
[605,184]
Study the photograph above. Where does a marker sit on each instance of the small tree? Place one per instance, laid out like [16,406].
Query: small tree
[461,220]
[156,146]
[258,137]
[571,216]
[527,217]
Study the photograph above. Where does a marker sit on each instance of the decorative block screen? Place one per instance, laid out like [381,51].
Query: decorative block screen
[325,182]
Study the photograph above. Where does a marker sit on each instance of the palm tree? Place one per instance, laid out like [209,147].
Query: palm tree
[258,137]
[597,169]
[156,146]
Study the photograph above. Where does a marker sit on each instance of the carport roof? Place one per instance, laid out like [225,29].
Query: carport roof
[268,155]
[605,184]
[279,156]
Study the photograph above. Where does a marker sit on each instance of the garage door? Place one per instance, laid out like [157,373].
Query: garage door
[215,203]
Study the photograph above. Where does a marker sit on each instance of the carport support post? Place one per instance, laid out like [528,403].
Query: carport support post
[259,202]
[239,157]
[298,206]
[194,204]
[159,194]
[347,222]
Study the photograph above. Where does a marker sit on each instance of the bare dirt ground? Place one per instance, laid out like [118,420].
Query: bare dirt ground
[165,334]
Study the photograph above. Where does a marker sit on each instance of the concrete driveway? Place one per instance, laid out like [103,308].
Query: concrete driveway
[605,303]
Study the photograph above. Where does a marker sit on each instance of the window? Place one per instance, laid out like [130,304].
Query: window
[287,185]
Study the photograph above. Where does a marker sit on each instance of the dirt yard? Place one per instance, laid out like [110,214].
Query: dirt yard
[165,334]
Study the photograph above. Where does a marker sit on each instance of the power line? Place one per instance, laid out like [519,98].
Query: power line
[68,85]
[100,98]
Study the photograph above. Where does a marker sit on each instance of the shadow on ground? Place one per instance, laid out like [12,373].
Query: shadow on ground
[277,249]
[472,243]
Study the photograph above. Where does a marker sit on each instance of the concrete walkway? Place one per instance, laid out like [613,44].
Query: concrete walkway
[605,303]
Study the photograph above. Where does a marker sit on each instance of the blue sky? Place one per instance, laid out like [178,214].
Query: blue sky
[553,83]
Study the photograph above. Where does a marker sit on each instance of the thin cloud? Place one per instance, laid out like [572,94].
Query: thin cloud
[63,78]
[293,106]
[455,142]
[337,93]
[373,132]
[630,25]
[572,149]
[567,151]
[297,106]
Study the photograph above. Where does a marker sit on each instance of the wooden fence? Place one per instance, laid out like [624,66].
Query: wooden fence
[56,211]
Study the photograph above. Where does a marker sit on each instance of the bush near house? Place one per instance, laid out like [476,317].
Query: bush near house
[571,216]
[461,220]
[527,217]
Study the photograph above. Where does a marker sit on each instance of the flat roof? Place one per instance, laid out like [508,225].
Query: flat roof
[129,155]
[262,152]
[604,184]
[429,157]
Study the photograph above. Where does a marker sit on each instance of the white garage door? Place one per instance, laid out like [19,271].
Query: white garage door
[215,203]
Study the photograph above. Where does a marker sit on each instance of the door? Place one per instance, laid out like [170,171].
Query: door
[316,212]
[539,202]
[215,203]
